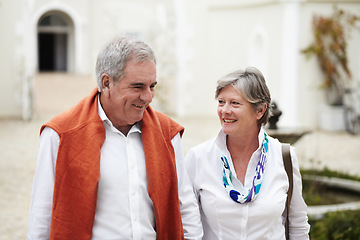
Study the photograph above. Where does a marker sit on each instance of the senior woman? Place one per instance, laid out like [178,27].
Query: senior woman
[239,177]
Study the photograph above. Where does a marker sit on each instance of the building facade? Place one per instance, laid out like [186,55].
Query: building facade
[196,43]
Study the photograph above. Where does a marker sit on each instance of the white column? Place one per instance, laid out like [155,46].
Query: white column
[289,67]
[182,55]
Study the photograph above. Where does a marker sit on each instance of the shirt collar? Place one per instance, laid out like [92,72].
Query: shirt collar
[135,128]
[220,140]
[261,136]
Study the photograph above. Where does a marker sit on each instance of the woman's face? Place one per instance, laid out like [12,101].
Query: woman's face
[236,114]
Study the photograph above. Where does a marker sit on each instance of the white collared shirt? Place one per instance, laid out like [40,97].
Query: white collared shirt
[124,209]
[225,219]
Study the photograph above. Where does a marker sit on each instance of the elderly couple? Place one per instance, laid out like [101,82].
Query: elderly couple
[111,167]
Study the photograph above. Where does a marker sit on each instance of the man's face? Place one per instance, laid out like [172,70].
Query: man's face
[124,102]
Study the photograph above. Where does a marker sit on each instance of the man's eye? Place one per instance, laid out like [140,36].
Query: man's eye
[152,86]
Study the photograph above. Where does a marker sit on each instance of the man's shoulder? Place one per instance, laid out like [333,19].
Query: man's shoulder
[76,116]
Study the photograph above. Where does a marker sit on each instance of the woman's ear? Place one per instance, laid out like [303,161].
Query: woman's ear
[261,111]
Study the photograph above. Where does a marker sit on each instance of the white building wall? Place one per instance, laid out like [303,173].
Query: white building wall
[221,41]
[11,64]
[94,23]
[196,43]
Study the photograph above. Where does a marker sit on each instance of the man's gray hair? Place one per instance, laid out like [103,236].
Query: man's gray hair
[112,59]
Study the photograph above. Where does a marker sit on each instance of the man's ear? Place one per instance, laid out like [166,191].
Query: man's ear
[105,81]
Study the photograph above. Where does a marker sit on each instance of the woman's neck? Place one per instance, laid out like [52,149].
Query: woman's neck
[243,142]
[241,149]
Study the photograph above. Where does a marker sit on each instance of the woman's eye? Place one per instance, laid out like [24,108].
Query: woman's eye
[221,102]
[235,103]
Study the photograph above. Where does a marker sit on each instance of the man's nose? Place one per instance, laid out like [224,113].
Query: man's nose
[147,95]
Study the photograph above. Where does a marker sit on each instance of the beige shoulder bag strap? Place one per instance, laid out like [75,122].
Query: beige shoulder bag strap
[289,171]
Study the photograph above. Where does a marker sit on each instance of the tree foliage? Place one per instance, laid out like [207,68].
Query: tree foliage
[331,34]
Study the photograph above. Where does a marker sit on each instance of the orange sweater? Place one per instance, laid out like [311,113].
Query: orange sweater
[77,175]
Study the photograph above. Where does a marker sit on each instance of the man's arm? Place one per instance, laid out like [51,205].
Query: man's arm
[43,186]
[189,208]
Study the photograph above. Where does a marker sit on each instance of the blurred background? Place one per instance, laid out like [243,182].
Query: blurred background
[308,51]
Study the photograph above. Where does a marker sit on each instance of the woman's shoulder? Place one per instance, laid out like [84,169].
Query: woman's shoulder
[274,141]
[277,151]
[276,144]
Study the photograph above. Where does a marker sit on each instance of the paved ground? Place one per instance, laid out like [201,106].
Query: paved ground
[55,93]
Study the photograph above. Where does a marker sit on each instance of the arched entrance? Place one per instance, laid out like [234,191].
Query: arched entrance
[55,42]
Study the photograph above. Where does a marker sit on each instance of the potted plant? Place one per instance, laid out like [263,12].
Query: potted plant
[329,47]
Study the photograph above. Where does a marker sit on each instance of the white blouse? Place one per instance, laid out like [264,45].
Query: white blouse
[222,218]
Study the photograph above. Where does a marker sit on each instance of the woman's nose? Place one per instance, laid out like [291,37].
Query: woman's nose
[226,109]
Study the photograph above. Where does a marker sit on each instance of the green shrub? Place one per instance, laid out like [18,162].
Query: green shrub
[318,193]
[343,225]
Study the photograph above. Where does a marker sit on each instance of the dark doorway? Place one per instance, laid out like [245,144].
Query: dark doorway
[52,51]
[54,40]
[46,52]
